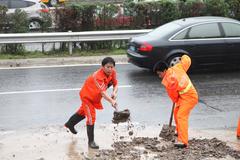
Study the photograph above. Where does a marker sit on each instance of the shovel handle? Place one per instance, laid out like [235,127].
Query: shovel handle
[116,108]
[171,117]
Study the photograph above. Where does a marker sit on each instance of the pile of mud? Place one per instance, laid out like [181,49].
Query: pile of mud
[155,148]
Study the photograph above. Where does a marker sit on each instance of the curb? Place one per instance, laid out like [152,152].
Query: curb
[59,61]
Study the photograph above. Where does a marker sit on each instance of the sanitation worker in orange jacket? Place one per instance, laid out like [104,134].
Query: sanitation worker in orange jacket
[91,94]
[238,129]
[182,92]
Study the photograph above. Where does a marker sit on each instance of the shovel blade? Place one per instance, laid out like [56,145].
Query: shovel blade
[121,116]
[167,132]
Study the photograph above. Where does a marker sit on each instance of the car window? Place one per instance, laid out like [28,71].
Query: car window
[181,35]
[164,30]
[29,3]
[20,4]
[210,30]
[231,29]
[4,3]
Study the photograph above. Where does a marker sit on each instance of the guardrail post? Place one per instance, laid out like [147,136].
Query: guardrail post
[70,46]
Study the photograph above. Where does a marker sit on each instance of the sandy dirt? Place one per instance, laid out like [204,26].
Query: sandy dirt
[117,141]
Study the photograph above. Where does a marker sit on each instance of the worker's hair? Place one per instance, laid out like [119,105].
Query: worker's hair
[161,66]
[108,60]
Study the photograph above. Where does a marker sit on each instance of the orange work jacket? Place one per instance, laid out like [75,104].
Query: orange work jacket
[95,84]
[177,83]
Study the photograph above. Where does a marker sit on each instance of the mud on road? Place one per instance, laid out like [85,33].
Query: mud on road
[162,148]
[155,148]
[124,141]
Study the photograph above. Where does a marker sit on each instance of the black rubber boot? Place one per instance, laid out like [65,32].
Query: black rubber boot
[176,134]
[180,145]
[90,133]
[73,120]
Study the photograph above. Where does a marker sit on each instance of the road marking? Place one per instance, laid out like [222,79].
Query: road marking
[51,90]
[57,66]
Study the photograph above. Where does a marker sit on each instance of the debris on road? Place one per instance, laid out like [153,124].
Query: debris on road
[155,148]
[168,132]
[125,141]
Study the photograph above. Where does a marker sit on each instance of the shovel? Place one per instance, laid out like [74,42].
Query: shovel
[120,116]
[168,131]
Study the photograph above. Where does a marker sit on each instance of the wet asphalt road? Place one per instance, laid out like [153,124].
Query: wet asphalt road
[47,96]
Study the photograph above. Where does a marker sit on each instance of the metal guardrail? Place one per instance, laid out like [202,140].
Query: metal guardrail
[70,36]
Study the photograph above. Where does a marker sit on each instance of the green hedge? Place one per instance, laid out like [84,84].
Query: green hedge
[17,22]
[14,23]
[79,16]
[3,19]
[234,8]
[89,16]
[143,14]
[216,8]
[191,8]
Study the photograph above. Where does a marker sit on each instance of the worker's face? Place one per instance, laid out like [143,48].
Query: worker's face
[161,74]
[108,68]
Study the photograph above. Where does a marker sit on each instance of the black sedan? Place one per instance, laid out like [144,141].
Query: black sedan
[209,41]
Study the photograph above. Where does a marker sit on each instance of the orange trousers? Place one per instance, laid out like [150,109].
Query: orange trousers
[238,128]
[87,109]
[181,116]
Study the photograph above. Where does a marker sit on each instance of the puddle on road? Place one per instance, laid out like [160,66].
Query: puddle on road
[117,141]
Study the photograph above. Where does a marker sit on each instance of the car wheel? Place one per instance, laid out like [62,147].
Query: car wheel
[174,60]
[34,24]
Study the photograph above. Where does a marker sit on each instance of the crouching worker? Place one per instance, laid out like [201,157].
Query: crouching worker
[93,90]
[182,92]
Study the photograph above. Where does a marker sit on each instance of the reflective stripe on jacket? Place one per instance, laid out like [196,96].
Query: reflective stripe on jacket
[185,90]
